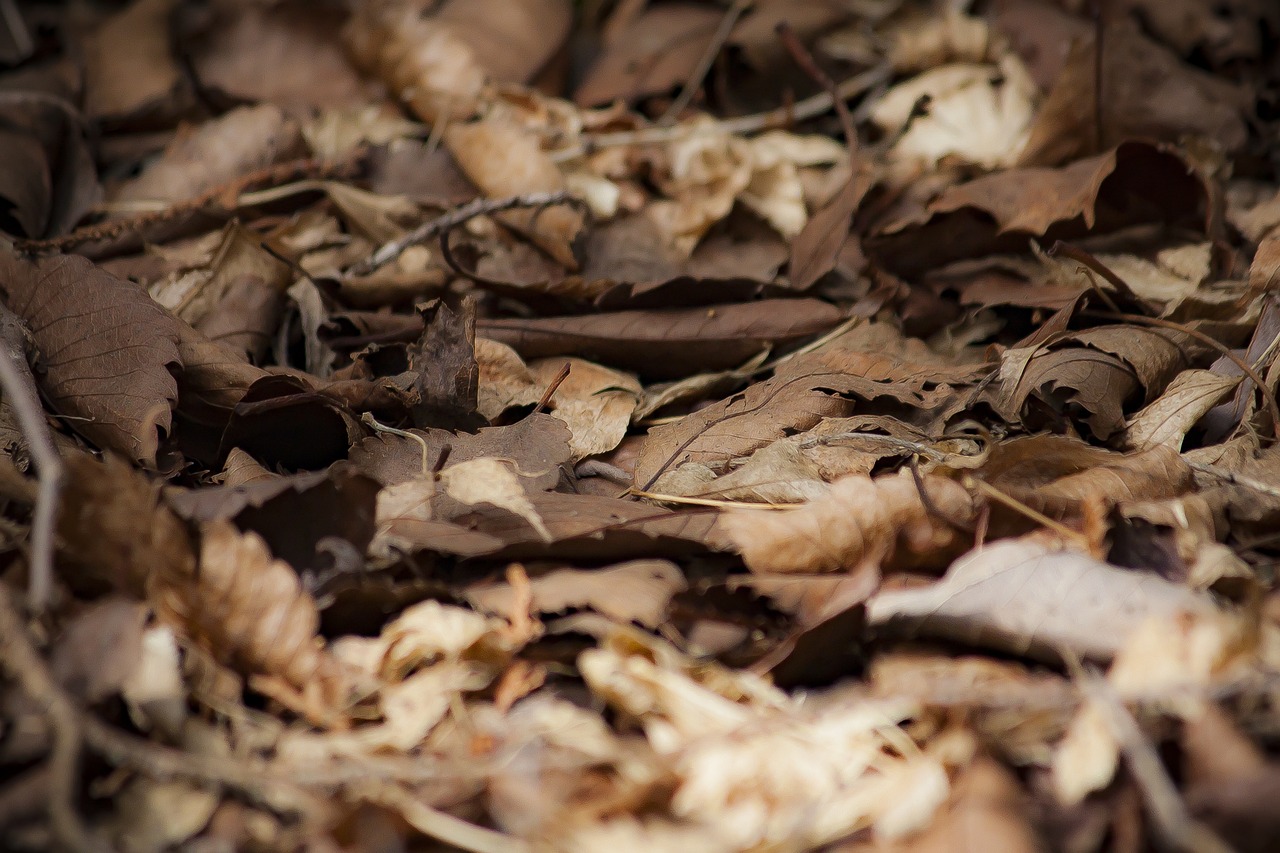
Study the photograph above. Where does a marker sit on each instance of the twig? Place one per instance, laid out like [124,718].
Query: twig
[1079,255]
[370,421]
[443,826]
[19,386]
[19,656]
[691,86]
[561,375]
[1020,507]
[681,499]
[808,108]
[388,252]
[233,190]
[1170,820]
[809,65]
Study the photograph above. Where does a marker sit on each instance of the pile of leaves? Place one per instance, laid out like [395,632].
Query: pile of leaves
[509,425]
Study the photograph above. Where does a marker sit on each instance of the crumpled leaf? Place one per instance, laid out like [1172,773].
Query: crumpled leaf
[250,610]
[978,114]
[860,522]
[751,764]
[800,395]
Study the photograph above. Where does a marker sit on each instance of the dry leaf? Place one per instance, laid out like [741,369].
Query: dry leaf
[109,352]
[1024,597]
[492,481]
[860,522]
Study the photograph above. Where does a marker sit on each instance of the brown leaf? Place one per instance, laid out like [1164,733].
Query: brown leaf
[108,351]
[584,527]
[130,68]
[47,177]
[209,155]
[538,445]
[294,514]
[595,402]
[1187,399]
[1135,182]
[1026,598]
[668,342]
[655,53]
[1060,476]
[800,395]
[285,54]
[503,158]
[814,250]
[492,481]
[986,803]
[860,523]
[1146,92]
[237,299]
[637,591]
[115,527]
[1091,376]
[99,649]
[438,57]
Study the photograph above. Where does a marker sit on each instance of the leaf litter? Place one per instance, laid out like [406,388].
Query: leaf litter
[648,426]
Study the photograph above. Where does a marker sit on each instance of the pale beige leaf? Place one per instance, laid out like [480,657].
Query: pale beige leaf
[1025,597]
[596,402]
[1183,403]
[492,481]
[638,591]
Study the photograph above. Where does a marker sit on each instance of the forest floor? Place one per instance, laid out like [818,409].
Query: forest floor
[520,425]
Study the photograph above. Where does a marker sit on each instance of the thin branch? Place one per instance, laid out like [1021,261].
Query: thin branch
[19,386]
[808,108]
[388,252]
[691,86]
[19,656]
[1030,512]
[561,375]
[809,65]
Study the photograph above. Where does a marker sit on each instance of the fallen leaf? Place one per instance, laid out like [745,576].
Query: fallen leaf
[637,591]
[860,522]
[503,158]
[211,154]
[492,481]
[137,82]
[654,54]
[1027,598]
[95,333]
[668,342]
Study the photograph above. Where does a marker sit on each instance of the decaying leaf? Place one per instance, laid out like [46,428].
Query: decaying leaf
[109,351]
[860,522]
[1024,596]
